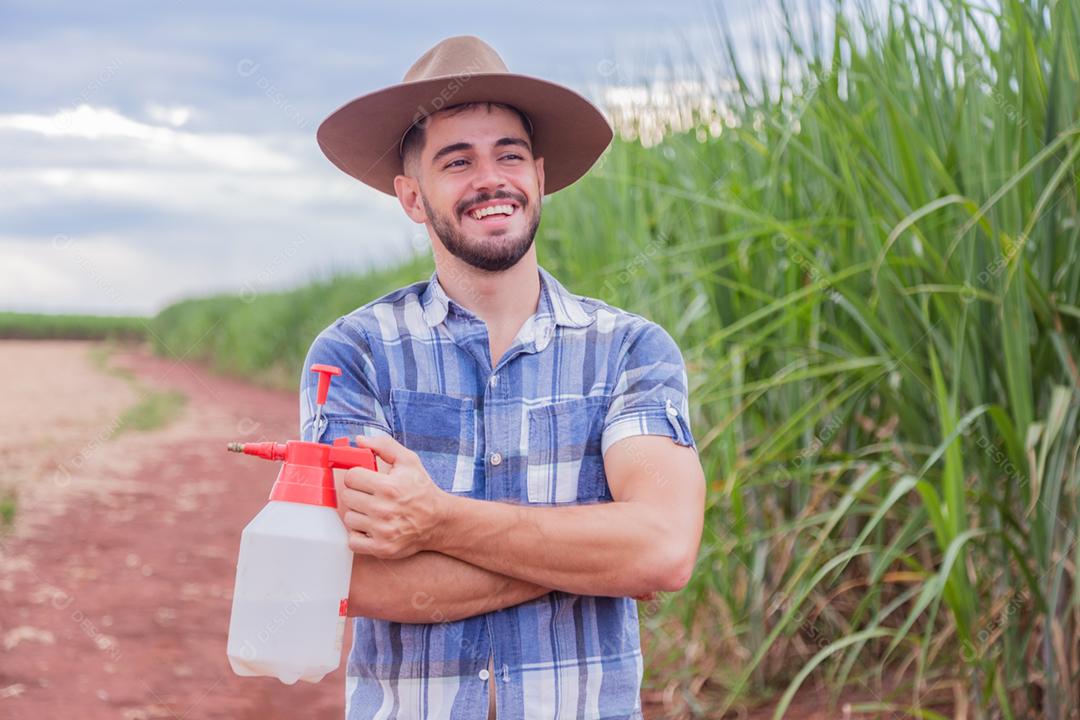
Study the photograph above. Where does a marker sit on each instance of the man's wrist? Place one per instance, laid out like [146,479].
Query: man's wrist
[447,510]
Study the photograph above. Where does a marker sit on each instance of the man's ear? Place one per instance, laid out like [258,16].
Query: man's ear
[540,174]
[408,194]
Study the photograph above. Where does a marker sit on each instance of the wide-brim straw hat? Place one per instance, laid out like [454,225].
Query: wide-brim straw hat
[364,136]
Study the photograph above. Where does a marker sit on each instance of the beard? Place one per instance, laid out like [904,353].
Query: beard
[493,253]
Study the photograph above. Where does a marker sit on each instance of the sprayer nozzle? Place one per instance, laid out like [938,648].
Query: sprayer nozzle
[265,450]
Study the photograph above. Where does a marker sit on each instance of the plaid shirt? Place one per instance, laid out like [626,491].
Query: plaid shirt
[579,376]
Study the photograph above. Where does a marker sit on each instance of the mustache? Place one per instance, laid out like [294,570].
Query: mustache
[501,195]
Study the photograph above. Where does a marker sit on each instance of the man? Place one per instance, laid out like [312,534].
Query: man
[537,469]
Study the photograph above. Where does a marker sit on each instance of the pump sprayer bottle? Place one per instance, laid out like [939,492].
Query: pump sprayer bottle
[292,577]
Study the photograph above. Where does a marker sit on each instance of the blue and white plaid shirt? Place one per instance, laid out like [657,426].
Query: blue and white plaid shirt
[579,376]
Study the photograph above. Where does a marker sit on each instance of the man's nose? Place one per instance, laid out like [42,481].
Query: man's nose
[488,175]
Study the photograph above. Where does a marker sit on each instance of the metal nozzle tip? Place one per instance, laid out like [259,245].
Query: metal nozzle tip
[235,447]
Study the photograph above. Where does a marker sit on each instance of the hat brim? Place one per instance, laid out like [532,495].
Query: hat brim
[362,136]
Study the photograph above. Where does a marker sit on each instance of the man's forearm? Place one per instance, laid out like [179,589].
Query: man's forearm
[613,548]
[644,541]
[430,587]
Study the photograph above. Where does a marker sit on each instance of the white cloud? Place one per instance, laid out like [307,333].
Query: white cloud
[237,152]
[208,194]
[114,274]
[95,154]
[67,275]
[104,213]
[175,115]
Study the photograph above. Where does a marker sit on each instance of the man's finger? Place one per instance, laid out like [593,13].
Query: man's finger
[362,479]
[357,522]
[385,447]
[360,543]
[356,500]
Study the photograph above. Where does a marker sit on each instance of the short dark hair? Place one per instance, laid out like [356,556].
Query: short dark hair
[413,142]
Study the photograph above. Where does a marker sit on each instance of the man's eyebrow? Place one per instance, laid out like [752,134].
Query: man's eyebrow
[501,142]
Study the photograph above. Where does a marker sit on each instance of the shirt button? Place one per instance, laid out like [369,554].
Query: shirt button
[496,458]
[494,380]
[484,674]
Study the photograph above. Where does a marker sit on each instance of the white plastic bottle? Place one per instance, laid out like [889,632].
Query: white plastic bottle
[291,595]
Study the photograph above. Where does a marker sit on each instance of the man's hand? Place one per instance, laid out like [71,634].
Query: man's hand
[391,514]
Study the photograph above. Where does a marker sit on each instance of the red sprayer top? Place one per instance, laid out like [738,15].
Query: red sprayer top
[307,473]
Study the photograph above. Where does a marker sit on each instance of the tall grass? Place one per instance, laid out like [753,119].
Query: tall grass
[874,275]
[266,336]
[871,264]
[32,326]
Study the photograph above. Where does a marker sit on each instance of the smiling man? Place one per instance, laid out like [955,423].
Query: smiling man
[537,468]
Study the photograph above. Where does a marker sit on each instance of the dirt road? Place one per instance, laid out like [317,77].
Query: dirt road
[116,579]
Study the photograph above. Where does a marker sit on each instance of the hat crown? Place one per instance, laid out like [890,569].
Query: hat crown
[456,56]
[567,130]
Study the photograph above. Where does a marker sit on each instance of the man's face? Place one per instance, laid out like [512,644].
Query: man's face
[477,159]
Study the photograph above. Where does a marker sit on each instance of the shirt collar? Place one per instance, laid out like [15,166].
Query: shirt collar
[555,302]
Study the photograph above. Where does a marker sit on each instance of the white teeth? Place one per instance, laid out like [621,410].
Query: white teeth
[484,212]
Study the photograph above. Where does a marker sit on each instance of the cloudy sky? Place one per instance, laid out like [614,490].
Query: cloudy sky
[156,151]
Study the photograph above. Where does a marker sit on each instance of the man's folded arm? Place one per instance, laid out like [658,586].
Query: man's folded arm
[647,539]
[429,587]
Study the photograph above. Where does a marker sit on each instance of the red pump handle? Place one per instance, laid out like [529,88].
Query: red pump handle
[325,373]
[345,457]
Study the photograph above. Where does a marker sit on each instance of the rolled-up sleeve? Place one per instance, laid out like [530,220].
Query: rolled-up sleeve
[651,391]
[353,406]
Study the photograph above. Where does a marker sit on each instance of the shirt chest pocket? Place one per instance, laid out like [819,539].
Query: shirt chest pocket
[565,464]
[440,429]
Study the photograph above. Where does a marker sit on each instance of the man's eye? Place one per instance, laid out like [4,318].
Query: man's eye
[454,163]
